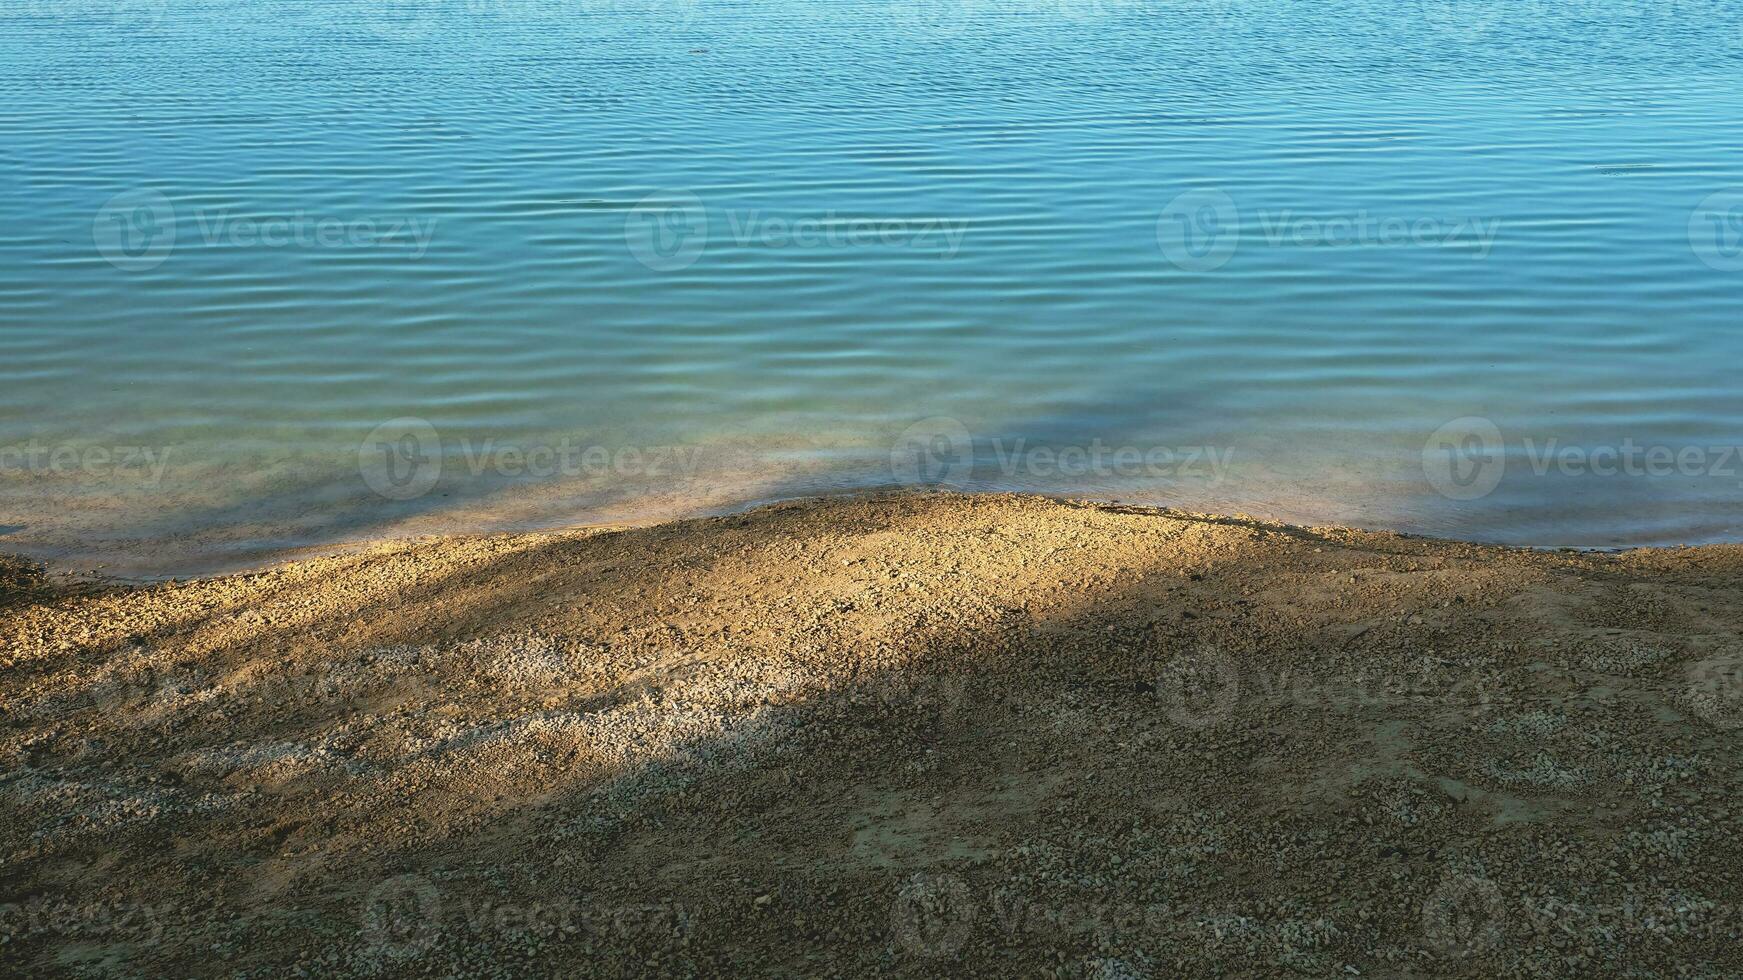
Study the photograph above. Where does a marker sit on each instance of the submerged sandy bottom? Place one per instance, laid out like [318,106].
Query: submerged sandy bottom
[918,735]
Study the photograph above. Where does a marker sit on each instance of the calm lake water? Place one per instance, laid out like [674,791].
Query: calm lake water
[281,274]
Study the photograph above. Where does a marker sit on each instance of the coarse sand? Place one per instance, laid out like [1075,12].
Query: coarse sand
[912,734]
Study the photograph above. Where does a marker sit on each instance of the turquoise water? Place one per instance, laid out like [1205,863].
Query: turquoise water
[281,274]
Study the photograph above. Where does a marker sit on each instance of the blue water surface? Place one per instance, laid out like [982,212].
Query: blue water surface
[281,274]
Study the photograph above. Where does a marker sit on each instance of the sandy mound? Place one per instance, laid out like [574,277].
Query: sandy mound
[916,735]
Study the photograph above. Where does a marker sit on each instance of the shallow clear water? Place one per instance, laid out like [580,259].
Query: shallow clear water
[620,260]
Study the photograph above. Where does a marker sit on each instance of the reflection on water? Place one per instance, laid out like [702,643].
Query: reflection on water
[283,274]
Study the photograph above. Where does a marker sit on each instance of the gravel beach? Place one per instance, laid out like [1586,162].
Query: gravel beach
[916,734]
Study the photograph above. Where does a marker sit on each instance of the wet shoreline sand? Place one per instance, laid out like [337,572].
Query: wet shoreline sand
[908,734]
